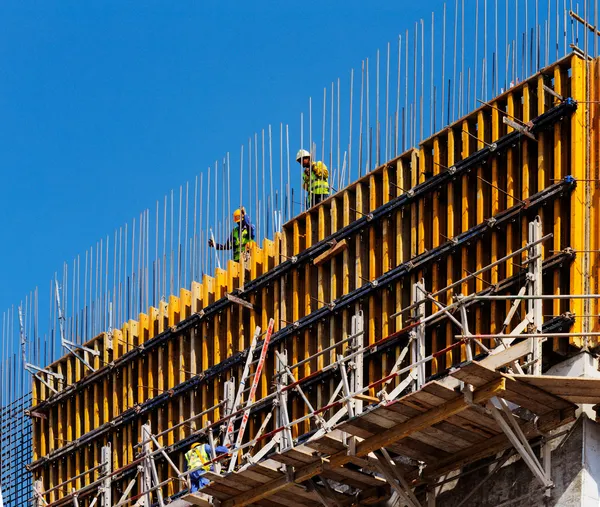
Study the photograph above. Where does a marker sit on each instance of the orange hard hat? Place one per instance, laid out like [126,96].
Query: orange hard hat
[237,215]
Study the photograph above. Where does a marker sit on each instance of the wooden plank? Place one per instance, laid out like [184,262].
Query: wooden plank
[418,450]
[500,357]
[199,499]
[565,387]
[334,250]
[481,423]
[494,445]
[530,397]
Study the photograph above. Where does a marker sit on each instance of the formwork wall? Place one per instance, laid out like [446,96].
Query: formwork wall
[171,363]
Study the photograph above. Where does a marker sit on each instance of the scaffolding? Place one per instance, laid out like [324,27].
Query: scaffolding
[396,436]
[15,452]
[446,402]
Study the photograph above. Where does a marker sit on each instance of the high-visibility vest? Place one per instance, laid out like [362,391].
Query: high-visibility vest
[196,457]
[240,245]
[317,182]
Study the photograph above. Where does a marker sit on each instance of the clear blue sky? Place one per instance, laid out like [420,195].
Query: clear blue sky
[105,106]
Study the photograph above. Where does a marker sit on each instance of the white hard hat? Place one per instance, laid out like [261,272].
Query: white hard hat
[301,154]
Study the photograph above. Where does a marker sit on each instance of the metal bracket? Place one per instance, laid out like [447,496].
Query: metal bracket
[520,128]
[518,439]
[396,480]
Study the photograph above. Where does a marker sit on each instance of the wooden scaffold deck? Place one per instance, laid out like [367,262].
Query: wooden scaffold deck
[396,445]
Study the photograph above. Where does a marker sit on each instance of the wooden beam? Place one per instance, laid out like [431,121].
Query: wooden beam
[240,301]
[413,425]
[334,250]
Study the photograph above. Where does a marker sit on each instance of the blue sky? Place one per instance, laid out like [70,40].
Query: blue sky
[105,106]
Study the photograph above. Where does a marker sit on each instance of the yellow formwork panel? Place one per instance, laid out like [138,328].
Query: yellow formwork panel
[424,224]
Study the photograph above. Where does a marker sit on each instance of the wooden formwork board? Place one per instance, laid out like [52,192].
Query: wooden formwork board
[425,224]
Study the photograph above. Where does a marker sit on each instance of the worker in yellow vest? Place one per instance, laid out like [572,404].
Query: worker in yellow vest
[198,459]
[240,238]
[315,179]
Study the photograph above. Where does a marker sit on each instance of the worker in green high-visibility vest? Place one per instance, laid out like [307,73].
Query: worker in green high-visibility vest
[315,179]
[241,236]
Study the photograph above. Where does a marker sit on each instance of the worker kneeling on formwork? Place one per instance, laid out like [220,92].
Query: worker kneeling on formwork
[198,457]
[240,238]
[315,179]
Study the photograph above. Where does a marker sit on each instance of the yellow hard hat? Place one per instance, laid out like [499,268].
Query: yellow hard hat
[195,445]
[237,215]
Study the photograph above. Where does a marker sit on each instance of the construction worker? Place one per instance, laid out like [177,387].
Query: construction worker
[315,179]
[241,236]
[199,456]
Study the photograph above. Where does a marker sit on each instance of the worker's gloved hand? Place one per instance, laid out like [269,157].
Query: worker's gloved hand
[211,243]
[243,210]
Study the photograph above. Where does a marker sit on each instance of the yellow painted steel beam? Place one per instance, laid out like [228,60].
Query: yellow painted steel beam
[577,222]
[450,233]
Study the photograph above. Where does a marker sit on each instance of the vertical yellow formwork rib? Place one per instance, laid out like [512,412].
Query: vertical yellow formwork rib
[96,401]
[399,244]
[372,266]
[358,252]
[495,208]
[578,195]
[541,158]
[39,394]
[195,338]
[465,215]
[414,216]
[332,296]
[69,410]
[274,256]
[60,433]
[266,314]
[345,264]
[284,248]
[321,298]
[207,285]
[36,425]
[217,330]
[422,167]
[161,370]
[557,240]
[385,264]
[295,316]
[435,242]
[510,191]
[134,339]
[185,298]
[172,367]
[594,162]
[78,415]
[450,232]
[151,358]
[231,338]
[525,170]
[309,335]
[116,396]
[479,215]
